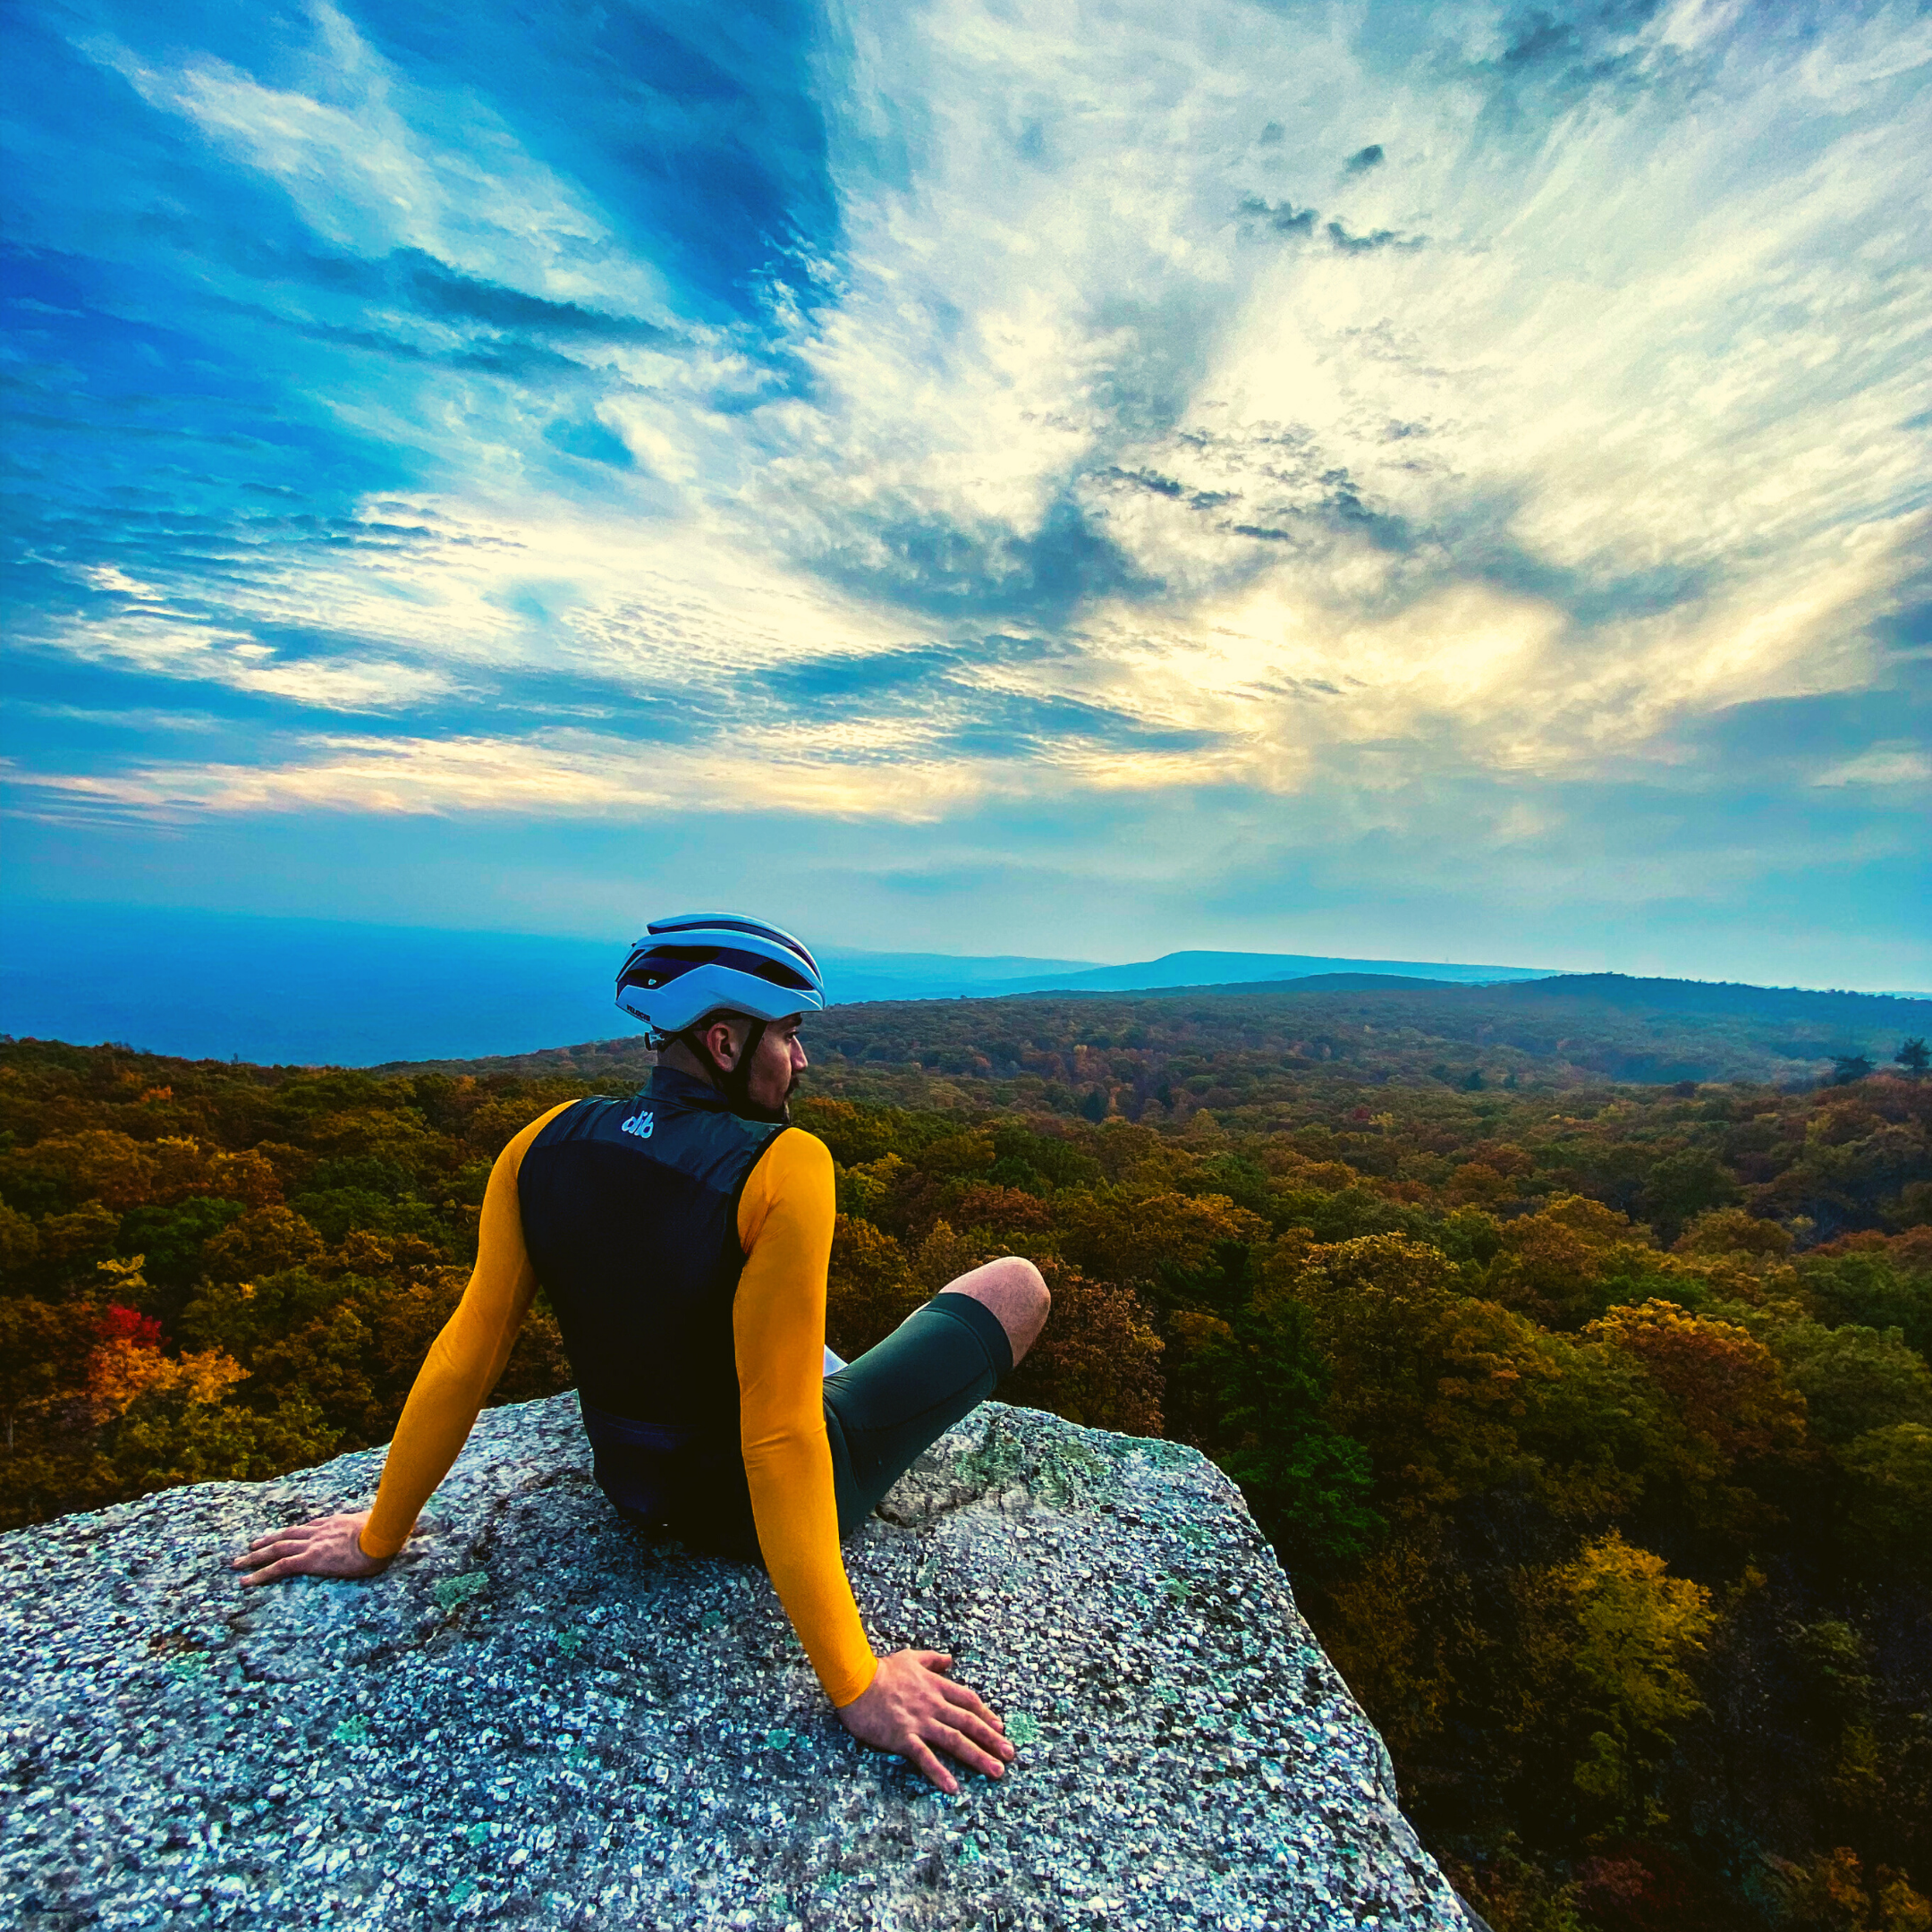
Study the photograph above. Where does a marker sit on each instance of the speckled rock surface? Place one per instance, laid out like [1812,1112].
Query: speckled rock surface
[534,1717]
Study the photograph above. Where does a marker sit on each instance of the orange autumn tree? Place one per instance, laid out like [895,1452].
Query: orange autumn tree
[1731,1414]
[1139,1240]
[129,1355]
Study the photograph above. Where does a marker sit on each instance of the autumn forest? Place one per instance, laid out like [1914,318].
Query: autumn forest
[1572,1351]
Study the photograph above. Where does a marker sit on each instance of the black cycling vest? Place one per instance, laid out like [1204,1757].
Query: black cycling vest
[630,1212]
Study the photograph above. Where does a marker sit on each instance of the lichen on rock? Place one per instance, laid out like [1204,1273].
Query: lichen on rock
[538,1718]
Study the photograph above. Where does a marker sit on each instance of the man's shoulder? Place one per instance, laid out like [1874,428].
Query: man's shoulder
[570,1118]
[797,1153]
[535,1133]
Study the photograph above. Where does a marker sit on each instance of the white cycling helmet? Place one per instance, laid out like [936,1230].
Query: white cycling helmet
[702,962]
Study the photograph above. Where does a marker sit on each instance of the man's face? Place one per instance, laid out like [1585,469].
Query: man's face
[776,1066]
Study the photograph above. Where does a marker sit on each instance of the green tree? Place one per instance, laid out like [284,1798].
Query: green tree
[1682,1186]
[44,1348]
[1263,1381]
[1853,1379]
[169,1437]
[265,1241]
[20,1244]
[1889,1520]
[1433,1383]
[1870,1289]
[1629,1631]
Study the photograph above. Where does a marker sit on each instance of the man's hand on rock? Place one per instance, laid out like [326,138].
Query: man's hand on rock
[332,1546]
[913,1707]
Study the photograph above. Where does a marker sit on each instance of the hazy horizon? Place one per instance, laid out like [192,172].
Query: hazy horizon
[340,992]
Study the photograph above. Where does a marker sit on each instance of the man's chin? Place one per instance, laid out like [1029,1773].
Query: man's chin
[782,1111]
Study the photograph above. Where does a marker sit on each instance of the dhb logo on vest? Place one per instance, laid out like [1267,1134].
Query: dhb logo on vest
[641,1125]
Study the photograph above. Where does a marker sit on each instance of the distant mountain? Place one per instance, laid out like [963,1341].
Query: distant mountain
[1341,982]
[1238,968]
[1720,996]
[1253,1045]
[1830,1013]
[893,976]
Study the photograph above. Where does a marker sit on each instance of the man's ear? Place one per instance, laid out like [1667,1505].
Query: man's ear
[722,1043]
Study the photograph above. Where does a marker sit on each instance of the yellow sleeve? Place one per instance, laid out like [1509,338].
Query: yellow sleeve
[464,1360]
[785,1224]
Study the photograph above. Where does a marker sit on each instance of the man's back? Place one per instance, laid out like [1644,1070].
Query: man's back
[630,1212]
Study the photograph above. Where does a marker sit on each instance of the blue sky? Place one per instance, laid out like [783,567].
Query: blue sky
[1434,481]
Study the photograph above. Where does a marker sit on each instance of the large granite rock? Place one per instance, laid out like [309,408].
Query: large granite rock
[536,1718]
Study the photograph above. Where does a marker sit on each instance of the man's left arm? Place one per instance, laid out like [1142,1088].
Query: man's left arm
[904,1702]
[784,1222]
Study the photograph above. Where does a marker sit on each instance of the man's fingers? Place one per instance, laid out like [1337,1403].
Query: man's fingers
[293,1534]
[273,1574]
[938,1662]
[268,1549]
[923,1760]
[980,1733]
[957,1745]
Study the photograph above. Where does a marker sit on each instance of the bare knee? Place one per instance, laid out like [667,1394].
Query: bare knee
[1015,1291]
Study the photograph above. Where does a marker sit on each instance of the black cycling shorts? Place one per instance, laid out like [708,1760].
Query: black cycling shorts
[884,1409]
[882,1412]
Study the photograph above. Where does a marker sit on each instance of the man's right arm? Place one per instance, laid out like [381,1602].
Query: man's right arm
[465,1364]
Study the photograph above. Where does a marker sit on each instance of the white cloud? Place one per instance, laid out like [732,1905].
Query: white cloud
[1883,765]
[1619,445]
[152,639]
[554,773]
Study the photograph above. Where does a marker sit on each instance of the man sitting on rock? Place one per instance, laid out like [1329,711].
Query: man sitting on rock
[683,1236]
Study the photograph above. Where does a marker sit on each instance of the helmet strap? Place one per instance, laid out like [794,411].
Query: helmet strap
[734,1082]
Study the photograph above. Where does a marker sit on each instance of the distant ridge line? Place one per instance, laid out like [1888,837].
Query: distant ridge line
[1613,989]
[1201,968]
[1612,1027]
[1705,994]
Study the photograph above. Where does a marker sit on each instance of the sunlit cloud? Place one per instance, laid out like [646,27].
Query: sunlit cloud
[554,773]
